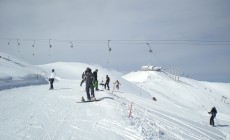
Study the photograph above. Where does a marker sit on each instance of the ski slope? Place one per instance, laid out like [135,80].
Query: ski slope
[17,73]
[180,112]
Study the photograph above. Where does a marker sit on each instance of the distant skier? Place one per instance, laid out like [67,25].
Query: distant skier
[213,112]
[95,82]
[89,84]
[107,81]
[117,83]
[51,79]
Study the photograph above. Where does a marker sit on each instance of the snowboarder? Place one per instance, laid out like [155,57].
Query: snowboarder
[95,82]
[117,83]
[213,112]
[107,81]
[51,79]
[89,84]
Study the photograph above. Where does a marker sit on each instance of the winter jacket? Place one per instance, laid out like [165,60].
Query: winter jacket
[52,75]
[107,79]
[213,112]
[95,75]
[89,77]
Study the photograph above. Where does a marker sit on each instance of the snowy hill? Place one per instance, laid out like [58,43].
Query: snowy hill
[17,73]
[186,92]
[180,112]
[187,98]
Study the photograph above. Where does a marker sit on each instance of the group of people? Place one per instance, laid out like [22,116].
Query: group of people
[91,82]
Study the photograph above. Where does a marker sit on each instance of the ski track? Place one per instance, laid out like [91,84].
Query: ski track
[178,129]
[115,127]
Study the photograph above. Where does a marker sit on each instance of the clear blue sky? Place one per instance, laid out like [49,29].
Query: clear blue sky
[192,35]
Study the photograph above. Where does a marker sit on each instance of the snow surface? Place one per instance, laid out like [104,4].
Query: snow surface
[17,73]
[180,112]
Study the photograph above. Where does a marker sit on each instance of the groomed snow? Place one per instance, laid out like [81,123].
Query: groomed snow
[180,112]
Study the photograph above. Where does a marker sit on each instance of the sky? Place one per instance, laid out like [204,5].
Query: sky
[190,35]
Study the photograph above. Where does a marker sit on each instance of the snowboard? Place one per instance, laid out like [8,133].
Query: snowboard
[86,101]
[89,101]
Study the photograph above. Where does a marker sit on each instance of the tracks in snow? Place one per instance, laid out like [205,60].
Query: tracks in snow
[154,124]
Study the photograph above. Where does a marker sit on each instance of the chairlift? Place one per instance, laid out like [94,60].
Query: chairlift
[33,47]
[110,49]
[150,50]
[9,43]
[50,43]
[71,44]
[18,42]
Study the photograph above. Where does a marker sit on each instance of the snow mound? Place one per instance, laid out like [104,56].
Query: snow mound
[139,76]
[74,70]
[17,73]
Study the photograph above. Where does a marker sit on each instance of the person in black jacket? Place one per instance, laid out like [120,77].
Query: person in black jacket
[107,81]
[89,84]
[95,82]
[213,112]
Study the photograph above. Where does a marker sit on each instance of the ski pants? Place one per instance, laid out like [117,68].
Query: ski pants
[51,83]
[95,84]
[89,87]
[107,84]
[212,120]
[117,86]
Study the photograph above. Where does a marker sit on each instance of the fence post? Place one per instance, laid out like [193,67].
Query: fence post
[130,110]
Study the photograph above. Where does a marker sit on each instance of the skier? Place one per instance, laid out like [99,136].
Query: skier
[89,84]
[107,81]
[51,79]
[213,112]
[117,83]
[95,82]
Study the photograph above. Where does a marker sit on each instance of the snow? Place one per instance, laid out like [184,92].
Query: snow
[180,112]
[17,73]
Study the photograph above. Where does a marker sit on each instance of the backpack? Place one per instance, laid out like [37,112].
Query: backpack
[89,77]
[214,112]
